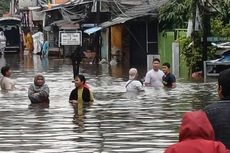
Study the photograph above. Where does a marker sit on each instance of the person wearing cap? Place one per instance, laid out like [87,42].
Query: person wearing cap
[38,92]
[133,84]
[154,76]
[219,112]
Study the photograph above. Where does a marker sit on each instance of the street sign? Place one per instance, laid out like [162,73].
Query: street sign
[70,38]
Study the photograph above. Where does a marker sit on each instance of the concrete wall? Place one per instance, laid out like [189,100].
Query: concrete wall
[104,47]
[26,3]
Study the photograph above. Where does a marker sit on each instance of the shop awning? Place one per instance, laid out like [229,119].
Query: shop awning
[92,30]
[118,20]
[115,21]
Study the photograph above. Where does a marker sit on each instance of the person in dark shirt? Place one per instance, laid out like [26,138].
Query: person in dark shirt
[168,79]
[219,113]
[81,91]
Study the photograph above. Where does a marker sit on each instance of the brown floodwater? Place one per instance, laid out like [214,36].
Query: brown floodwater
[116,122]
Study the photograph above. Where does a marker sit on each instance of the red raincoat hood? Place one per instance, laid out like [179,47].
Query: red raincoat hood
[196,125]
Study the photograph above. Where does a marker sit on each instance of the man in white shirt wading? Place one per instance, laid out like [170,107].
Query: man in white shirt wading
[154,76]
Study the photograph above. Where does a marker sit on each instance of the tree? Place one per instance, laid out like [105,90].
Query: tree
[218,28]
[223,7]
[175,14]
[5,5]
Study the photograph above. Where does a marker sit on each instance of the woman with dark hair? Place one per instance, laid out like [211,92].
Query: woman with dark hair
[81,93]
[6,82]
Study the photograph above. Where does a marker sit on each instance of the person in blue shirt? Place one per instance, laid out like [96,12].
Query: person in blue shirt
[45,49]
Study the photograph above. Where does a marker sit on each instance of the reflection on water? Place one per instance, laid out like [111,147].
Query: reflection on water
[114,123]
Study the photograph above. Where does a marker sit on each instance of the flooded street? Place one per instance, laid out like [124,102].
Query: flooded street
[114,123]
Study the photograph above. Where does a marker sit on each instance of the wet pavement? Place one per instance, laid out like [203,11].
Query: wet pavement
[147,123]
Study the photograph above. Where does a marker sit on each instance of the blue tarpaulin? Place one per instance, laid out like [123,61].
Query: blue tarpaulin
[92,30]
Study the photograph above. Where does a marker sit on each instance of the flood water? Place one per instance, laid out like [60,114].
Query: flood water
[114,123]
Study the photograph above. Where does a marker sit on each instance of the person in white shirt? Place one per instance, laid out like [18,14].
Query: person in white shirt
[154,76]
[2,42]
[133,85]
[5,81]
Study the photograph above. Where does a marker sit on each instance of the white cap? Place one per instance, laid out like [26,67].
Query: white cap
[132,73]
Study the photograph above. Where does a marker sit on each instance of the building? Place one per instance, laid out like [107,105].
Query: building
[124,30]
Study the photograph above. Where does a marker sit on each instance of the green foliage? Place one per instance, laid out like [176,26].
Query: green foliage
[192,53]
[224,10]
[5,5]
[175,13]
[219,29]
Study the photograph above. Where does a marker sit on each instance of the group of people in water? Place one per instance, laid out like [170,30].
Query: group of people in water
[203,131]
[154,78]
[38,91]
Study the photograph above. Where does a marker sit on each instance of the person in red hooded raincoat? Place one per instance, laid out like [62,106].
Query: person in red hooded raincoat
[196,136]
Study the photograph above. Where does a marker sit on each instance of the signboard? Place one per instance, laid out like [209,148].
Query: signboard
[26,3]
[218,39]
[70,38]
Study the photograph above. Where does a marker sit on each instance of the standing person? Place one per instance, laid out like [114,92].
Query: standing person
[219,112]
[45,49]
[133,85]
[154,76]
[6,82]
[196,136]
[39,91]
[76,57]
[38,40]
[168,80]
[2,41]
[81,91]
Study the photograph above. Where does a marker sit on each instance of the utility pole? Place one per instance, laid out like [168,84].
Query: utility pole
[98,49]
[206,28]
[12,5]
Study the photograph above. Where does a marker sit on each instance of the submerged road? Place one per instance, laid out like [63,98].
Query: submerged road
[115,123]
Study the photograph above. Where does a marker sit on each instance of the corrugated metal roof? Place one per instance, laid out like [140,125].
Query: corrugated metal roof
[151,8]
[66,25]
[145,9]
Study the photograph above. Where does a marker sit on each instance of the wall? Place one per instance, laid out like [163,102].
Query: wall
[60,1]
[165,46]
[26,3]
[116,42]
[104,47]
[165,50]
[116,38]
